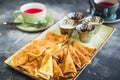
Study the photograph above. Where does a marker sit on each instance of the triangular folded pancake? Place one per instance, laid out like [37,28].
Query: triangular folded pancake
[90,50]
[59,55]
[74,56]
[39,60]
[56,70]
[84,60]
[69,69]
[44,43]
[77,46]
[56,38]
[54,49]
[46,66]
[27,53]
[34,50]
[32,55]
[30,67]
[19,58]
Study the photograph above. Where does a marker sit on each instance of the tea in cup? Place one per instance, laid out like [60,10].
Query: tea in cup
[106,8]
[32,12]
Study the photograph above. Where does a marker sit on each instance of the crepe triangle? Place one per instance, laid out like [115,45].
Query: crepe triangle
[74,56]
[30,67]
[46,66]
[90,50]
[77,46]
[68,62]
[53,37]
[56,70]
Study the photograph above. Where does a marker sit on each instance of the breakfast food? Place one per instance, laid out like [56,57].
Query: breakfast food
[56,38]
[30,67]
[74,56]
[57,72]
[50,59]
[79,48]
[68,66]
[46,69]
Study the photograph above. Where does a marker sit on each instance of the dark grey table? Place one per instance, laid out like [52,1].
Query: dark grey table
[105,66]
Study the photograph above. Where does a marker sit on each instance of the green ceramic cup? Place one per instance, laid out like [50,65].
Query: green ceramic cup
[37,17]
[106,8]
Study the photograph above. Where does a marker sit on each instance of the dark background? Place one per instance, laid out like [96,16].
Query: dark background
[105,65]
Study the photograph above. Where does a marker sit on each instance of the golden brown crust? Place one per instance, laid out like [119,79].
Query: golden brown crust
[56,38]
[48,59]
[74,56]
[68,63]
[79,48]
[84,59]
[90,50]
[30,67]
[19,59]
[46,66]
[56,70]
[59,55]
[43,43]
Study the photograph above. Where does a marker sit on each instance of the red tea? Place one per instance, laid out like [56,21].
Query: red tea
[33,10]
[106,4]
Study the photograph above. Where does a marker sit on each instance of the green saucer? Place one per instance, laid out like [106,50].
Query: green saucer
[49,20]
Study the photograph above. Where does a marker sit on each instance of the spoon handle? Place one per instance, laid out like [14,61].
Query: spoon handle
[12,23]
[91,2]
[20,23]
[92,7]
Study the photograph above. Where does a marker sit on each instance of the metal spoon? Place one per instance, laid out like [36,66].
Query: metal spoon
[92,7]
[19,23]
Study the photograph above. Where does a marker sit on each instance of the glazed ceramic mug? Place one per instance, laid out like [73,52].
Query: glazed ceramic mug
[106,8]
[32,12]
